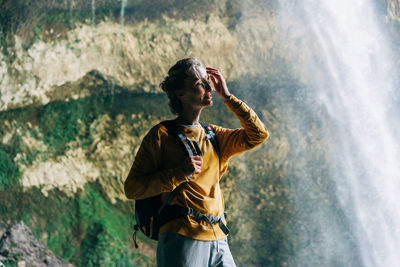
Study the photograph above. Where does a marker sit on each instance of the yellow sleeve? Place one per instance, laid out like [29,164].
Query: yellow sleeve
[145,178]
[236,141]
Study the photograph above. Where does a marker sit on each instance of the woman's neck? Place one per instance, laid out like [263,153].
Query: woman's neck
[189,117]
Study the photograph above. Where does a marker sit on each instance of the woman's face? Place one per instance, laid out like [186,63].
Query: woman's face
[197,91]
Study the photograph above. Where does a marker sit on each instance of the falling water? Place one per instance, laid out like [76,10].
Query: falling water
[94,20]
[71,6]
[353,77]
[121,35]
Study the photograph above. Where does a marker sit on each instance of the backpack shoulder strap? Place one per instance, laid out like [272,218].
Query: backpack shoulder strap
[210,135]
[190,146]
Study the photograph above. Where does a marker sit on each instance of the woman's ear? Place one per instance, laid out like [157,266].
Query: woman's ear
[179,93]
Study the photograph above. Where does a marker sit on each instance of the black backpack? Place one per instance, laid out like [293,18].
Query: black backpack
[151,213]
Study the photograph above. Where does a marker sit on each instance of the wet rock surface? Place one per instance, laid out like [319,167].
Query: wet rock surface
[19,246]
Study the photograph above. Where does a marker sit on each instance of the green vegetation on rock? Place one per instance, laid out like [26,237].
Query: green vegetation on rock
[86,229]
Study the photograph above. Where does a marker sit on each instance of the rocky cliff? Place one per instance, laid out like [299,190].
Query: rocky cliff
[79,89]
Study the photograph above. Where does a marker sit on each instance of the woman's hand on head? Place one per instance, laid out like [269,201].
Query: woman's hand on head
[219,82]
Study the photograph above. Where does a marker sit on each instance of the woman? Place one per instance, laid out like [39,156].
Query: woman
[161,165]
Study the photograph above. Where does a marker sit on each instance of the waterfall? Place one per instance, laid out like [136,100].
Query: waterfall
[118,55]
[346,52]
[94,20]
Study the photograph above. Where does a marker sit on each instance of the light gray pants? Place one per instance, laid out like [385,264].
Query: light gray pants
[175,250]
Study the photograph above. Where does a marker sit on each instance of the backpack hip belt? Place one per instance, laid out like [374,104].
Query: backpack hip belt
[175,211]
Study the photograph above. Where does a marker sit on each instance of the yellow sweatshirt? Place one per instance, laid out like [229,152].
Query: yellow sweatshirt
[157,169]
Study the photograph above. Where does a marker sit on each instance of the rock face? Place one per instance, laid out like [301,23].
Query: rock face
[18,245]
